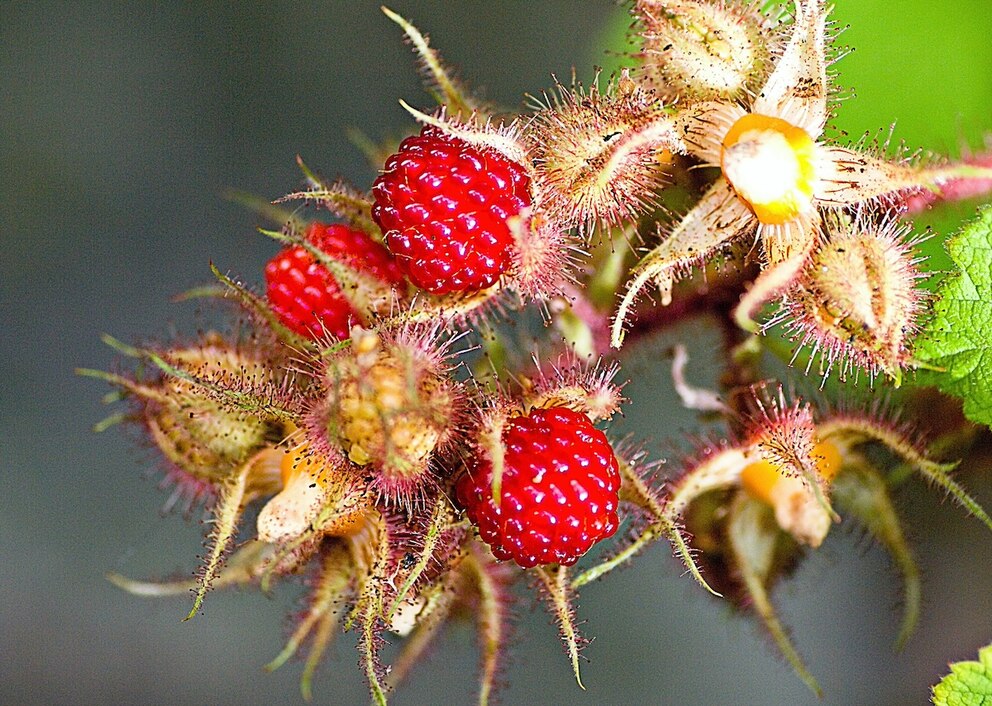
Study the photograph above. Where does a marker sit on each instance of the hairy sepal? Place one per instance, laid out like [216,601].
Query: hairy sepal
[863,494]
[599,156]
[853,428]
[715,222]
[753,536]
[559,593]
[583,387]
[340,198]
[448,92]
[332,586]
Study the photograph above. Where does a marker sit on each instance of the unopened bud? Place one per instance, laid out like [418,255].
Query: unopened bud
[194,428]
[858,301]
[703,49]
[599,155]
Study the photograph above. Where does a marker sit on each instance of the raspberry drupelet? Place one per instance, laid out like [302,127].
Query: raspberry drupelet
[559,490]
[305,295]
[444,207]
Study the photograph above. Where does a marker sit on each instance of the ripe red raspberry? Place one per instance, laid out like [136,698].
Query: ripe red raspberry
[443,206]
[560,490]
[304,294]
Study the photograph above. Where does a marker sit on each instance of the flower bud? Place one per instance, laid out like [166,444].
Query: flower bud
[199,431]
[599,155]
[315,497]
[704,50]
[858,302]
[797,509]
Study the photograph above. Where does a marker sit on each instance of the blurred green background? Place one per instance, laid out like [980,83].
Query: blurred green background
[120,126]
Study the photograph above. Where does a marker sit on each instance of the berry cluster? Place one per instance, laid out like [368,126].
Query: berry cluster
[413,483]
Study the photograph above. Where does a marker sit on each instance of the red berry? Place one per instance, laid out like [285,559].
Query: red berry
[304,294]
[560,490]
[443,206]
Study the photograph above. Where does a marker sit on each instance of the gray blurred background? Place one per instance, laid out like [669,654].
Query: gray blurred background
[120,127]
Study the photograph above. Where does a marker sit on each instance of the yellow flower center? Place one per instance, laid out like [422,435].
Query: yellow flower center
[769,162]
[312,490]
[759,478]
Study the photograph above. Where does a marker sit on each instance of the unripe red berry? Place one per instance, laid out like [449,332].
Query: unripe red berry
[559,489]
[444,206]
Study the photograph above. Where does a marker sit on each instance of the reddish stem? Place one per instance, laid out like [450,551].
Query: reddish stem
[955,189]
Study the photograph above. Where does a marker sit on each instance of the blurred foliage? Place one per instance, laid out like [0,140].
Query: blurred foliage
[968,684]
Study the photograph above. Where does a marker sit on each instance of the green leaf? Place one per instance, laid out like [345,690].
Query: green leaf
[957,341]
[968,684]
